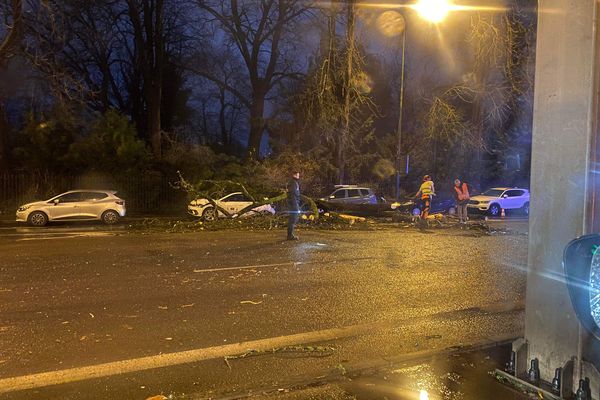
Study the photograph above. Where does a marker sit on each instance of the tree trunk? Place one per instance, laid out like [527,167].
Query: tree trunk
[4,130]
[153,100]
[345,133]
[149,48]
[222,121]
[257,124]
[8,46]
[105,85]
[478,125]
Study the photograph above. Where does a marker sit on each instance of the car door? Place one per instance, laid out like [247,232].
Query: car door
[339,196]
[64,206]
[514,199]
[354,196]
[91,204]
[235,202]
[368,197]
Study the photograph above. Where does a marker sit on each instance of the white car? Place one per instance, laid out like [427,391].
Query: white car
[233,203]
[493,200]
[75,205]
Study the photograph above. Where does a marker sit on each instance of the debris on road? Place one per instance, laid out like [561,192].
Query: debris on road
[436,217]
[327,221]
[158,397]
[250,302]
[313,351]
[351,218]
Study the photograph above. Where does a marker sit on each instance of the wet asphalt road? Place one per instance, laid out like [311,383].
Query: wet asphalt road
[86,295]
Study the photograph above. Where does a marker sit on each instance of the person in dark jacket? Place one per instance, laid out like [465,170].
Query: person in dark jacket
[293,202]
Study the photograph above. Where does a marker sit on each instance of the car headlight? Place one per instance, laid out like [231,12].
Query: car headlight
[24,208]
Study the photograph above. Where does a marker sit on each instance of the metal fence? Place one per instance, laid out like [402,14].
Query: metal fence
[144,193]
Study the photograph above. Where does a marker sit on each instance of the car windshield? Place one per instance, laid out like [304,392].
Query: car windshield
[493,192]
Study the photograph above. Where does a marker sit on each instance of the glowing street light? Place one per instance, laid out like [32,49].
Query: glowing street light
[392,23]
[434,11]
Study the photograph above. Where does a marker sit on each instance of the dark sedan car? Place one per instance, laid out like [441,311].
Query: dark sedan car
[438,205]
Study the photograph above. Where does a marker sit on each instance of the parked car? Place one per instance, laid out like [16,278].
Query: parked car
[351,194]
[493,200]
[74,205]
[233,203]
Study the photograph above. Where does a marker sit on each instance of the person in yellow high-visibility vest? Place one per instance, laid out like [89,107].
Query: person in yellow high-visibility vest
[425,194]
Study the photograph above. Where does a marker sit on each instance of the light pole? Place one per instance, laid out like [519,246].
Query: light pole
[434,11]
[401,108]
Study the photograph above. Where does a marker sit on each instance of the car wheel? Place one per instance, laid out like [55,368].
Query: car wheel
[526,208]
[209,214]
[495,210]
[37,218]
[110,217]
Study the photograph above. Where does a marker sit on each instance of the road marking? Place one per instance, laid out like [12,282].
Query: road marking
[184,357]
[44,379]
[283,264]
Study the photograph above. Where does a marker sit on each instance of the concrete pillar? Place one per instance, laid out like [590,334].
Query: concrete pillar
[564,150]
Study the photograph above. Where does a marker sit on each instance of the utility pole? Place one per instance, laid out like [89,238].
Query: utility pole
[347,92]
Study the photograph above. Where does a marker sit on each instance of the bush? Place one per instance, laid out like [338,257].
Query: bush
[111,146]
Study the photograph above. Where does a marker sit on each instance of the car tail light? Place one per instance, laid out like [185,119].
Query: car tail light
[120,202]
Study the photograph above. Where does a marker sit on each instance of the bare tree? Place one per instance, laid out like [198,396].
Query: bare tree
[9,45]
[13,13]
[109,54]
[498,81]
[147,22]
[335,105]
[258,32]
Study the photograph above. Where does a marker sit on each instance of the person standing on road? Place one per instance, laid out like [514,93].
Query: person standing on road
[293,202]
[461,196]
[425,194]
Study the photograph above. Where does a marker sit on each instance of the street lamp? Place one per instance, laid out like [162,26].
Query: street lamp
[434,11]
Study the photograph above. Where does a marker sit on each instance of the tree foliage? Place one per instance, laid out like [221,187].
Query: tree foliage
[196,86]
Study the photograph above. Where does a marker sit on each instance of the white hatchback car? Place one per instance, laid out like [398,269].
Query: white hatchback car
[75,205]
[233,203]
[493,200]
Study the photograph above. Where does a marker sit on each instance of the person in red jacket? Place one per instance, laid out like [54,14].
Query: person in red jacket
[461,196]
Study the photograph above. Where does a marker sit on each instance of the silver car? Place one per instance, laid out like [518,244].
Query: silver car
[75,205]
[352,194]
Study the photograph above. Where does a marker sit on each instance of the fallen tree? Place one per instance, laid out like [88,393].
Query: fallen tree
[212,190]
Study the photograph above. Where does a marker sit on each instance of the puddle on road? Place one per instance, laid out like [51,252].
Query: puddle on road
[450,377]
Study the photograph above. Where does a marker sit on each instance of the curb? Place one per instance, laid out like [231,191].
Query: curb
[354,370]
